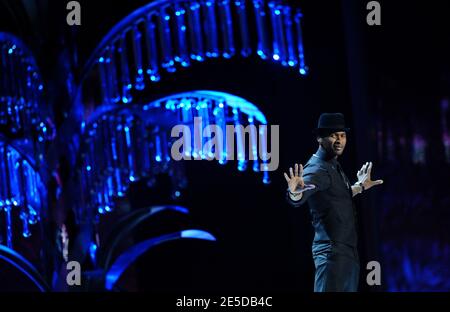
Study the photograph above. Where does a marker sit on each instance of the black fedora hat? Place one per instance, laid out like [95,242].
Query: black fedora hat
[329,123]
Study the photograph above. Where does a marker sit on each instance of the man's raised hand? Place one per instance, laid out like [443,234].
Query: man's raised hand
[295,180]
[364,178]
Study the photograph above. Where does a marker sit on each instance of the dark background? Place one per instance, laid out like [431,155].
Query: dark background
[388,80]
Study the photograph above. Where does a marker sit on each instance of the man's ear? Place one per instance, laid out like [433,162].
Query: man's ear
[319,139]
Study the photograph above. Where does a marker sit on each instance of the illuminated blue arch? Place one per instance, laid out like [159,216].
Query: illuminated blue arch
[26,119]
[126,225]
[125,144]
[131,255]
[21,188]
[233,101]
[168,34]
[21,91]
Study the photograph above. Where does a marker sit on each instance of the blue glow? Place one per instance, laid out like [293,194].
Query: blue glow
[41,87]
[178,109]
[177,194]
[140,85]
[276,57]
[101,59]
[32,215]
[26,230]
[93,252]
[88,168]
[302,71]
[199,234]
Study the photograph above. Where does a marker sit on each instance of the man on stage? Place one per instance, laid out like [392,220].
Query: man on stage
[323,183]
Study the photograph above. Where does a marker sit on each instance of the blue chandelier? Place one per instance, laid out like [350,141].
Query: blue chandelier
[24,129]
[21,188]
[21,88]
[166,35]
[121,146]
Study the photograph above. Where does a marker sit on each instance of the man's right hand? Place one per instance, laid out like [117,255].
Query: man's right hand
[295,181]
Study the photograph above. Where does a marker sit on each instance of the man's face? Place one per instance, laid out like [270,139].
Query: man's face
[334,144]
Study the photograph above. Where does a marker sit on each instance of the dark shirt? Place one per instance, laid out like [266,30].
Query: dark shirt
[331,202]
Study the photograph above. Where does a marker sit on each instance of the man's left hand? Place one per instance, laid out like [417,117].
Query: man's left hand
[363,176]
